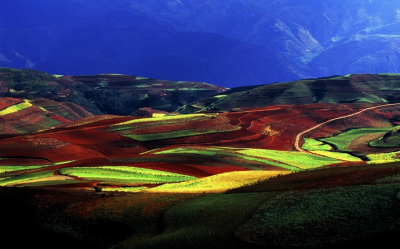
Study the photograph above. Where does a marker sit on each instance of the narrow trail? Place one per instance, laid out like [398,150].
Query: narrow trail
[299,136]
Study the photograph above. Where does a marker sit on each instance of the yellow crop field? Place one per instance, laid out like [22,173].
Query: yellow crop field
[15,108]
[218,183]
[384,157]
[338,155]
[163,118]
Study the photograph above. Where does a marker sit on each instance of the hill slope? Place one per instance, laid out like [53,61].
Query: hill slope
[25,116]
[104,93]
[355,88]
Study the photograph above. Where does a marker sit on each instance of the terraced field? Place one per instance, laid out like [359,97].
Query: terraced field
[204,180]
[23,115]
[193,145]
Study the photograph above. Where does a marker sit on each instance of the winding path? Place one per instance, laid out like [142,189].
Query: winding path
[298,137]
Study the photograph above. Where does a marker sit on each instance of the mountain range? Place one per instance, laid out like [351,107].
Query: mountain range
[227,43]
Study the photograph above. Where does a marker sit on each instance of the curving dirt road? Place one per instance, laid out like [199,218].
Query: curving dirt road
[298,137]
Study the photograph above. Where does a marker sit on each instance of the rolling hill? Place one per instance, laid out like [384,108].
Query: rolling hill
[25,116]
[354,88]
[105,93]
[305,164]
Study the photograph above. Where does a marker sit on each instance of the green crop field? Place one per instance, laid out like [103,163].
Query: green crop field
[163,118]
[336,215]
[299,160]
[204,222]
[4,169]
[343,139]
[124,175]
[180,133]
[338,155]
[315,145]
[15,108]
[124,189]
[389,140]
[227,154]
[20,179]
[157,120]
[383,157]
[12,168]
[290,160]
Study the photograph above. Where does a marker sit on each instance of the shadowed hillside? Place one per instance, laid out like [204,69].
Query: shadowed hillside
[355,88]
[105,93]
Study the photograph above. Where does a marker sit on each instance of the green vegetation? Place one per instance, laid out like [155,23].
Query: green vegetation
[324,217]
[164,119]
[389,140]
[291,160]
[124,189]
[4,169]
[111,101]
[28,80]
[338,155]
[203,222]
[383,157]
[50,182]
[177,134]
[124,175]
[218,183]
[15,108]
[315,145]
[11,168]
[20,179]
[320,148]
[343,139]
[299,160]
[228,154]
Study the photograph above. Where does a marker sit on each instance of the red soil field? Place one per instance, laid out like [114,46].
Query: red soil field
[90,143]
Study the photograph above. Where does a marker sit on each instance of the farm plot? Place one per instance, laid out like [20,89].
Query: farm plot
[295,160]
[383,157]
[14,168]
[320,148]
[15,108]
[26,178]
[342,140]
[218,183]
[289,160]
[183,133]
[123,175]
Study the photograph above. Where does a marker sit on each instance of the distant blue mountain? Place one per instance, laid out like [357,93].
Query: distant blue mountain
[223,42]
